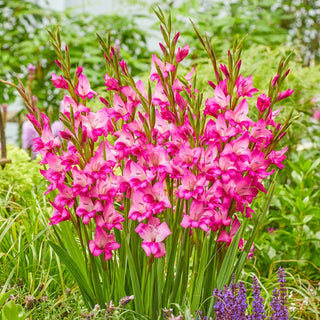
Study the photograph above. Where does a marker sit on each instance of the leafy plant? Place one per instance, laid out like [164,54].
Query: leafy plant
[291,233]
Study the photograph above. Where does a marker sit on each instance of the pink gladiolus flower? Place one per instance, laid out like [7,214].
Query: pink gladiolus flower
[47,142]
[87,209]
[220,219]
[111,83]
[220,101]
[105,189]
[156,198]
[238,147]
[220,129]
[157,159]
[121,110]
[110,219]
[65,196]
[258,165]
[56,172]
[34,121]
[124,143]
[139,208]
[77,108]
[244,87]
[239,115]
[132,96]
[199,217]
[227,238]
[81,181]
[277,157]
[176,37]
[59,82]
[186,156]
[260,133]
[59,214]
[83,89]
[95,123]
[182,53]
[98,167]
[153,234]
[145,151]
[191,186]
[165,69]
[103,242]
[263,102]
[136,175]
[58,63]
[123,67]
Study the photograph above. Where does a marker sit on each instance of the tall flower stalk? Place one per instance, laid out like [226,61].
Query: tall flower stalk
[158,182]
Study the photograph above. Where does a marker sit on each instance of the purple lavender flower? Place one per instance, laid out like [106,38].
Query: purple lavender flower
[125,300]
[56,127]
[28,134]
[258,311]
[242,300]
[275,305]
[231,302]
[279,301]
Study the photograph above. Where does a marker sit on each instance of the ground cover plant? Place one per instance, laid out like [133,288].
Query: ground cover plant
[167,166]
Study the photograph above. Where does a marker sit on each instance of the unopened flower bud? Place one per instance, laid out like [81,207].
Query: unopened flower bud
[58,63]
[176,37]
[274,80]
[79,71]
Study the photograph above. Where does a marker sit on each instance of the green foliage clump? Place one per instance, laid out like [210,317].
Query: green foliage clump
[20,177]
[24,41]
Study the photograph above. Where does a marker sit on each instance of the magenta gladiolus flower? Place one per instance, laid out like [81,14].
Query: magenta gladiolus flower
[87,208]
[103,243]
[263,102]
[59,82]
[227,238]
[182,53]
[59,214]
[153,234]
[199,217]
[220,101]
[244,87]
[164,68]
[83,89]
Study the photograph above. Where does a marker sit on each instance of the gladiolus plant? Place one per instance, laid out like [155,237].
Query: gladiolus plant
[158,183]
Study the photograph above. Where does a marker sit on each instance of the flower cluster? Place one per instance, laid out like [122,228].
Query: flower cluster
[231,302]
[149,153]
